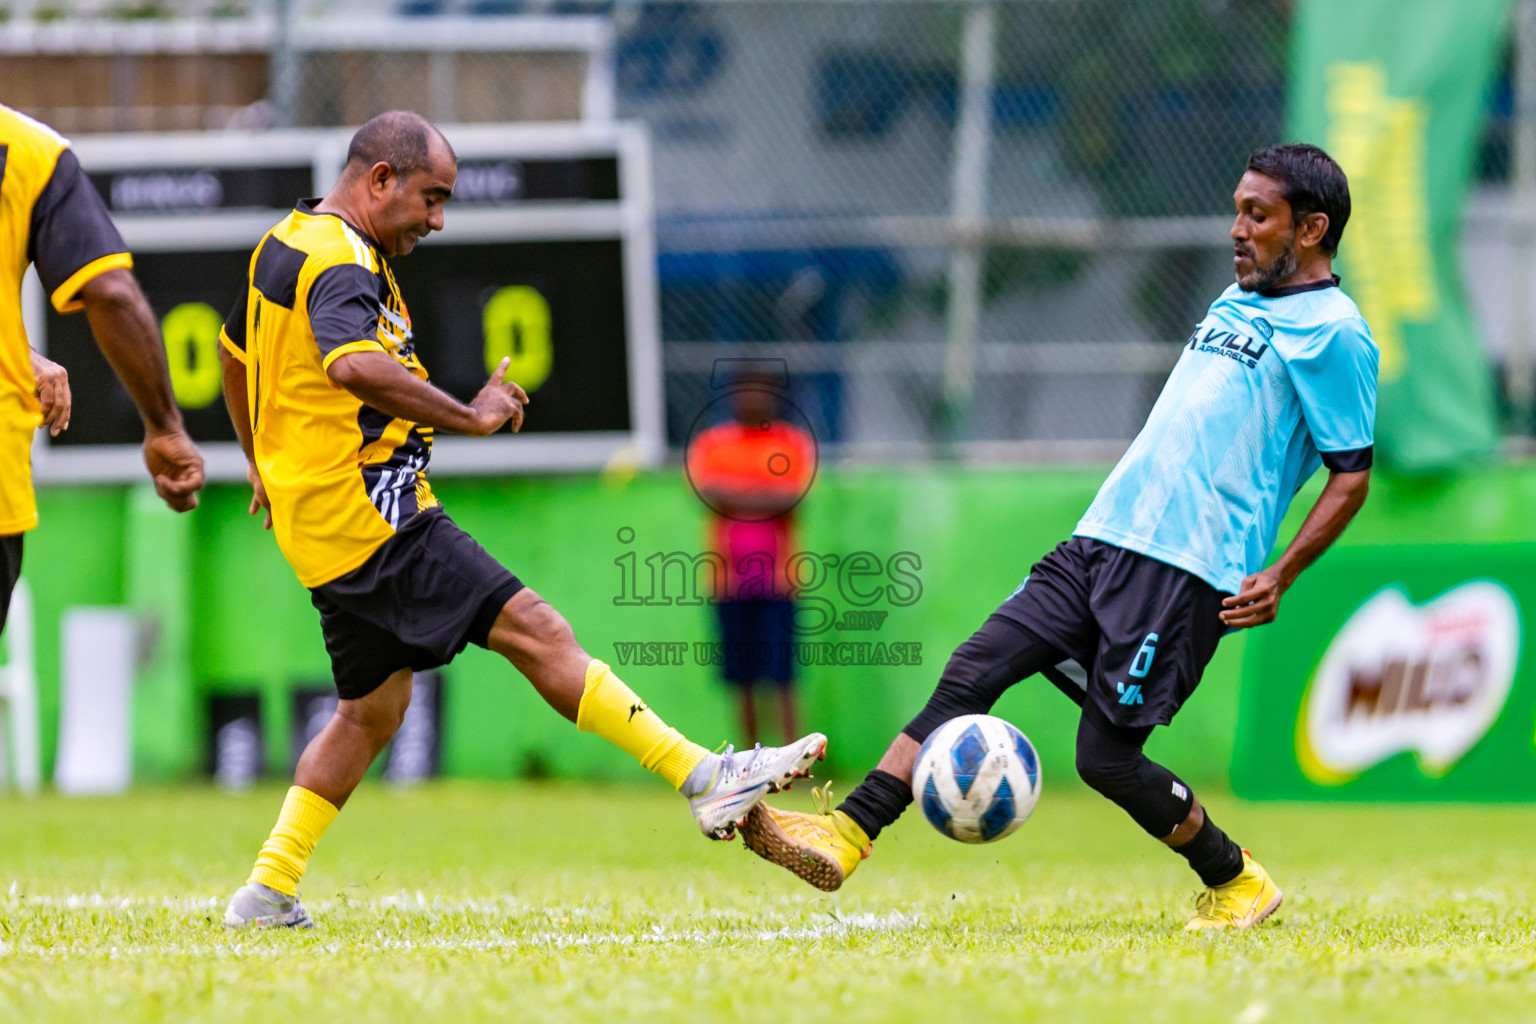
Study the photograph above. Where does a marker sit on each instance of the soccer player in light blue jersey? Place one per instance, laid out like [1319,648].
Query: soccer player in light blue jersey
[1278,379]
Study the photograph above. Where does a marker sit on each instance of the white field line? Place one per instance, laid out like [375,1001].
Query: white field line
[417,902]
[539,941]
[737,927]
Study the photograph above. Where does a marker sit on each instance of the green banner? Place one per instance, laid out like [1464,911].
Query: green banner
[1394,91]
[1395,673]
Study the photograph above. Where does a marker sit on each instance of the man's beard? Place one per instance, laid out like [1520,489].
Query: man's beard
[1262,279]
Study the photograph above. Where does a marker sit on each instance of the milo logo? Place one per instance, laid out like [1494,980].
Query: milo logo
[1397,678]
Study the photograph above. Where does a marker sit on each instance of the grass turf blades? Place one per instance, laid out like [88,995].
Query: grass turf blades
[573,903]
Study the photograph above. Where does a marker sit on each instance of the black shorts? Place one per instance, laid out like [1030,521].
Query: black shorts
[1143,629]
[426,594]
[758,638]
[10,571]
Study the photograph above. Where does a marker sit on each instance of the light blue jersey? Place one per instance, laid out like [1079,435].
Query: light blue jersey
[1269,387]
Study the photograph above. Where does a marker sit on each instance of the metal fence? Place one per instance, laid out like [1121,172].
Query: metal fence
[958,222]
[983,224]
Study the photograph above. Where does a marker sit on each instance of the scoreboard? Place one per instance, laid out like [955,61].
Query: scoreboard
[547,257]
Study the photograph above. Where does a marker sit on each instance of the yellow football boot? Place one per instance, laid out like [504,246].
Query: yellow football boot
[1241,903]
[821,848]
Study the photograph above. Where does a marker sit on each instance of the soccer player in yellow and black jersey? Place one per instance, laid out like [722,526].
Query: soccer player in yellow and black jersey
[336,416]
[51,217]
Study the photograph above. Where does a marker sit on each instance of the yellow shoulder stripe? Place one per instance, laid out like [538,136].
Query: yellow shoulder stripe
[232,348]
[347,349]
[66,297]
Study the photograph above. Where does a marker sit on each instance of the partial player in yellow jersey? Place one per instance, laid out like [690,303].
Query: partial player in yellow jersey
[52,218]
[336,415]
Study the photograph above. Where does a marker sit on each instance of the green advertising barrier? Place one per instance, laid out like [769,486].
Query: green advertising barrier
[964,536]
[1395,90]
[235,624]
[1395,674]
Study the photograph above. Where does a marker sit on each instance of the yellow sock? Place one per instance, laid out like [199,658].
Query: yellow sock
[302,821]
[611,710]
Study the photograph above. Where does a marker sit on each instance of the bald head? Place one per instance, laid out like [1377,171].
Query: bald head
[400,171]
[400,138]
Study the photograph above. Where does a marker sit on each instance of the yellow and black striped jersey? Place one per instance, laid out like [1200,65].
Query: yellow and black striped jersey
[51,216]
[340,475]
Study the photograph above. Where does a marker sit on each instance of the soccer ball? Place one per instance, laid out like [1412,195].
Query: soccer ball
[977,778]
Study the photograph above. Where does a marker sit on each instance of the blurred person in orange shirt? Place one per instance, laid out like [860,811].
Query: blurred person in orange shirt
[752,471]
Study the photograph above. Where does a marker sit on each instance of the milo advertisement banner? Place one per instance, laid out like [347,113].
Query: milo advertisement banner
[1395,673]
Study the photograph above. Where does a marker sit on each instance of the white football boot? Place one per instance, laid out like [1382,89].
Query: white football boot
[257,906]
[725,787]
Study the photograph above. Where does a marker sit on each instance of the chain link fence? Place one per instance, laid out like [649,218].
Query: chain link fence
[815,200]
[984,224]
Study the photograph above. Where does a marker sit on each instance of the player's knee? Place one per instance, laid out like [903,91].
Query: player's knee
[962,688]
[529,615]
[558,632]
[551,634]
[397,712]
[957,698]
[379,723]
[992,659]
[532,635]
[381,713]
[952,698]
[1111,774]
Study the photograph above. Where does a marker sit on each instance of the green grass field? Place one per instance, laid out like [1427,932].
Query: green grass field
[562,902]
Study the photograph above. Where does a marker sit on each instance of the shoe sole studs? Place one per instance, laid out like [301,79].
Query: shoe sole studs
[764,837]
[787,780]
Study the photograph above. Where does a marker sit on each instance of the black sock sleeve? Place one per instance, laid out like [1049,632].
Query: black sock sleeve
[878,801]
[1212,854]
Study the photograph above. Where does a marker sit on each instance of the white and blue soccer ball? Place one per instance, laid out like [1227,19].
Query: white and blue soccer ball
[977,778]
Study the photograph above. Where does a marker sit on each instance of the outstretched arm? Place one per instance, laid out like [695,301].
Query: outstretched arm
[128,336]
[1258,602]
[378,380]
